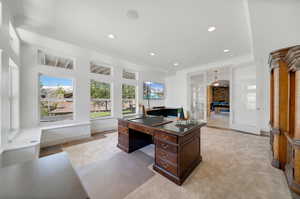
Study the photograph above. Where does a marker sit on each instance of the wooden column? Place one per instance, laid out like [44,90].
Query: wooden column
[279,106]
[292,168]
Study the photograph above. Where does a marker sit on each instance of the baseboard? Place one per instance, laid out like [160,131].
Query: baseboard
[265,133]
[229,129]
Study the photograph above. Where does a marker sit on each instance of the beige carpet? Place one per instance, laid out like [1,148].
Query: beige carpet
[235,166]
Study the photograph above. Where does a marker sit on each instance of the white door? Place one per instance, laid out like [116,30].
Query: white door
[198,97]
[243,99]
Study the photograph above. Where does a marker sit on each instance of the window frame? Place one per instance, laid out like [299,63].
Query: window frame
[13,100]
[111,96]
[56,54]
[39,97]
[14,40]
[130,71]
[136,96]
[103,65]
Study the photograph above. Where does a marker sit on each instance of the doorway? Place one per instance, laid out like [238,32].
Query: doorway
[236,108]
[218,104]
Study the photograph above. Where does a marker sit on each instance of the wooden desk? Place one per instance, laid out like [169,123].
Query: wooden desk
[49,177]
[177,149]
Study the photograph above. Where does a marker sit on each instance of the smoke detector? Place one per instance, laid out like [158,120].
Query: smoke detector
[132,14]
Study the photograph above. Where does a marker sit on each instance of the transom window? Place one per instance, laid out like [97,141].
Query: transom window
[99,69]
[55,61]
[100,99]
[128,99]
[129,75]
[14,39]
[56,99]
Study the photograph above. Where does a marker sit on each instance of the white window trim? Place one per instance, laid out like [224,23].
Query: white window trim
[111,98]
[57,54]
[104,65]
[136,98]
[12,132]
[39,96]
[131,71]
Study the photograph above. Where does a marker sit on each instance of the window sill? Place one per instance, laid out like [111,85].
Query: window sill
[62,122]
[102,118]
[131,114]
[50,126]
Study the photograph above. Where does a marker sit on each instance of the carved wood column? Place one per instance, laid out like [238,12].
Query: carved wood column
[279,106]
[292,168]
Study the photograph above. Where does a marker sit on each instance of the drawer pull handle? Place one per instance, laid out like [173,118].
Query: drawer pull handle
[165,146]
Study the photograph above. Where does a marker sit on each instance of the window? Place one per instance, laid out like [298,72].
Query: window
[100,99]
[1,12]
[55,61]
[129,75]
[14,39]
[98,69]
[14,99]
[251,97]
[128,99]
[56,99]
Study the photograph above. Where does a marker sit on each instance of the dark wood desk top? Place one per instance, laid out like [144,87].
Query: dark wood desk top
[51,177]
[164,124]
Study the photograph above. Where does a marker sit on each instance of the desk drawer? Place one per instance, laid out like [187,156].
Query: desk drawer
[123,130]
[167,166]
[165,155]
[140,128]
[166,146]
[123,139]
[165,136]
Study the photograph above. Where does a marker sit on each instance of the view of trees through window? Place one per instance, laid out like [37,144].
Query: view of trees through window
[100,99]
[128,99]
[56,99]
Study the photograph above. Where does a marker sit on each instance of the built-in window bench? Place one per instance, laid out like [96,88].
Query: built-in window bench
[26,145]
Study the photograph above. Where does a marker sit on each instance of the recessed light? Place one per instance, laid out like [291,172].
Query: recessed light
[176,64]
[211,28]
[152,54]
[111,36]
[226,50]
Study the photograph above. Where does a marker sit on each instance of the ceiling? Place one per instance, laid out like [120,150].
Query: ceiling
[175,30]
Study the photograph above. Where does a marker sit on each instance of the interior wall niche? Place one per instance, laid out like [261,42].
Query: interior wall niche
[220,94]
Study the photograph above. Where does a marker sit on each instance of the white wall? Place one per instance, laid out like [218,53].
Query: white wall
[274,25]
[81,76]
[6,52]
[178,86]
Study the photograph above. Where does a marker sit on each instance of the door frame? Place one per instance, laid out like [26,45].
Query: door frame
[251,129]
[240,127]
[189,90]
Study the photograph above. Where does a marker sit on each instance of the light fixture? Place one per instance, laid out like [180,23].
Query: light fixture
[217,84]
[211,28]
[226,51]
[111,36]
[152,54]
[176,64]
